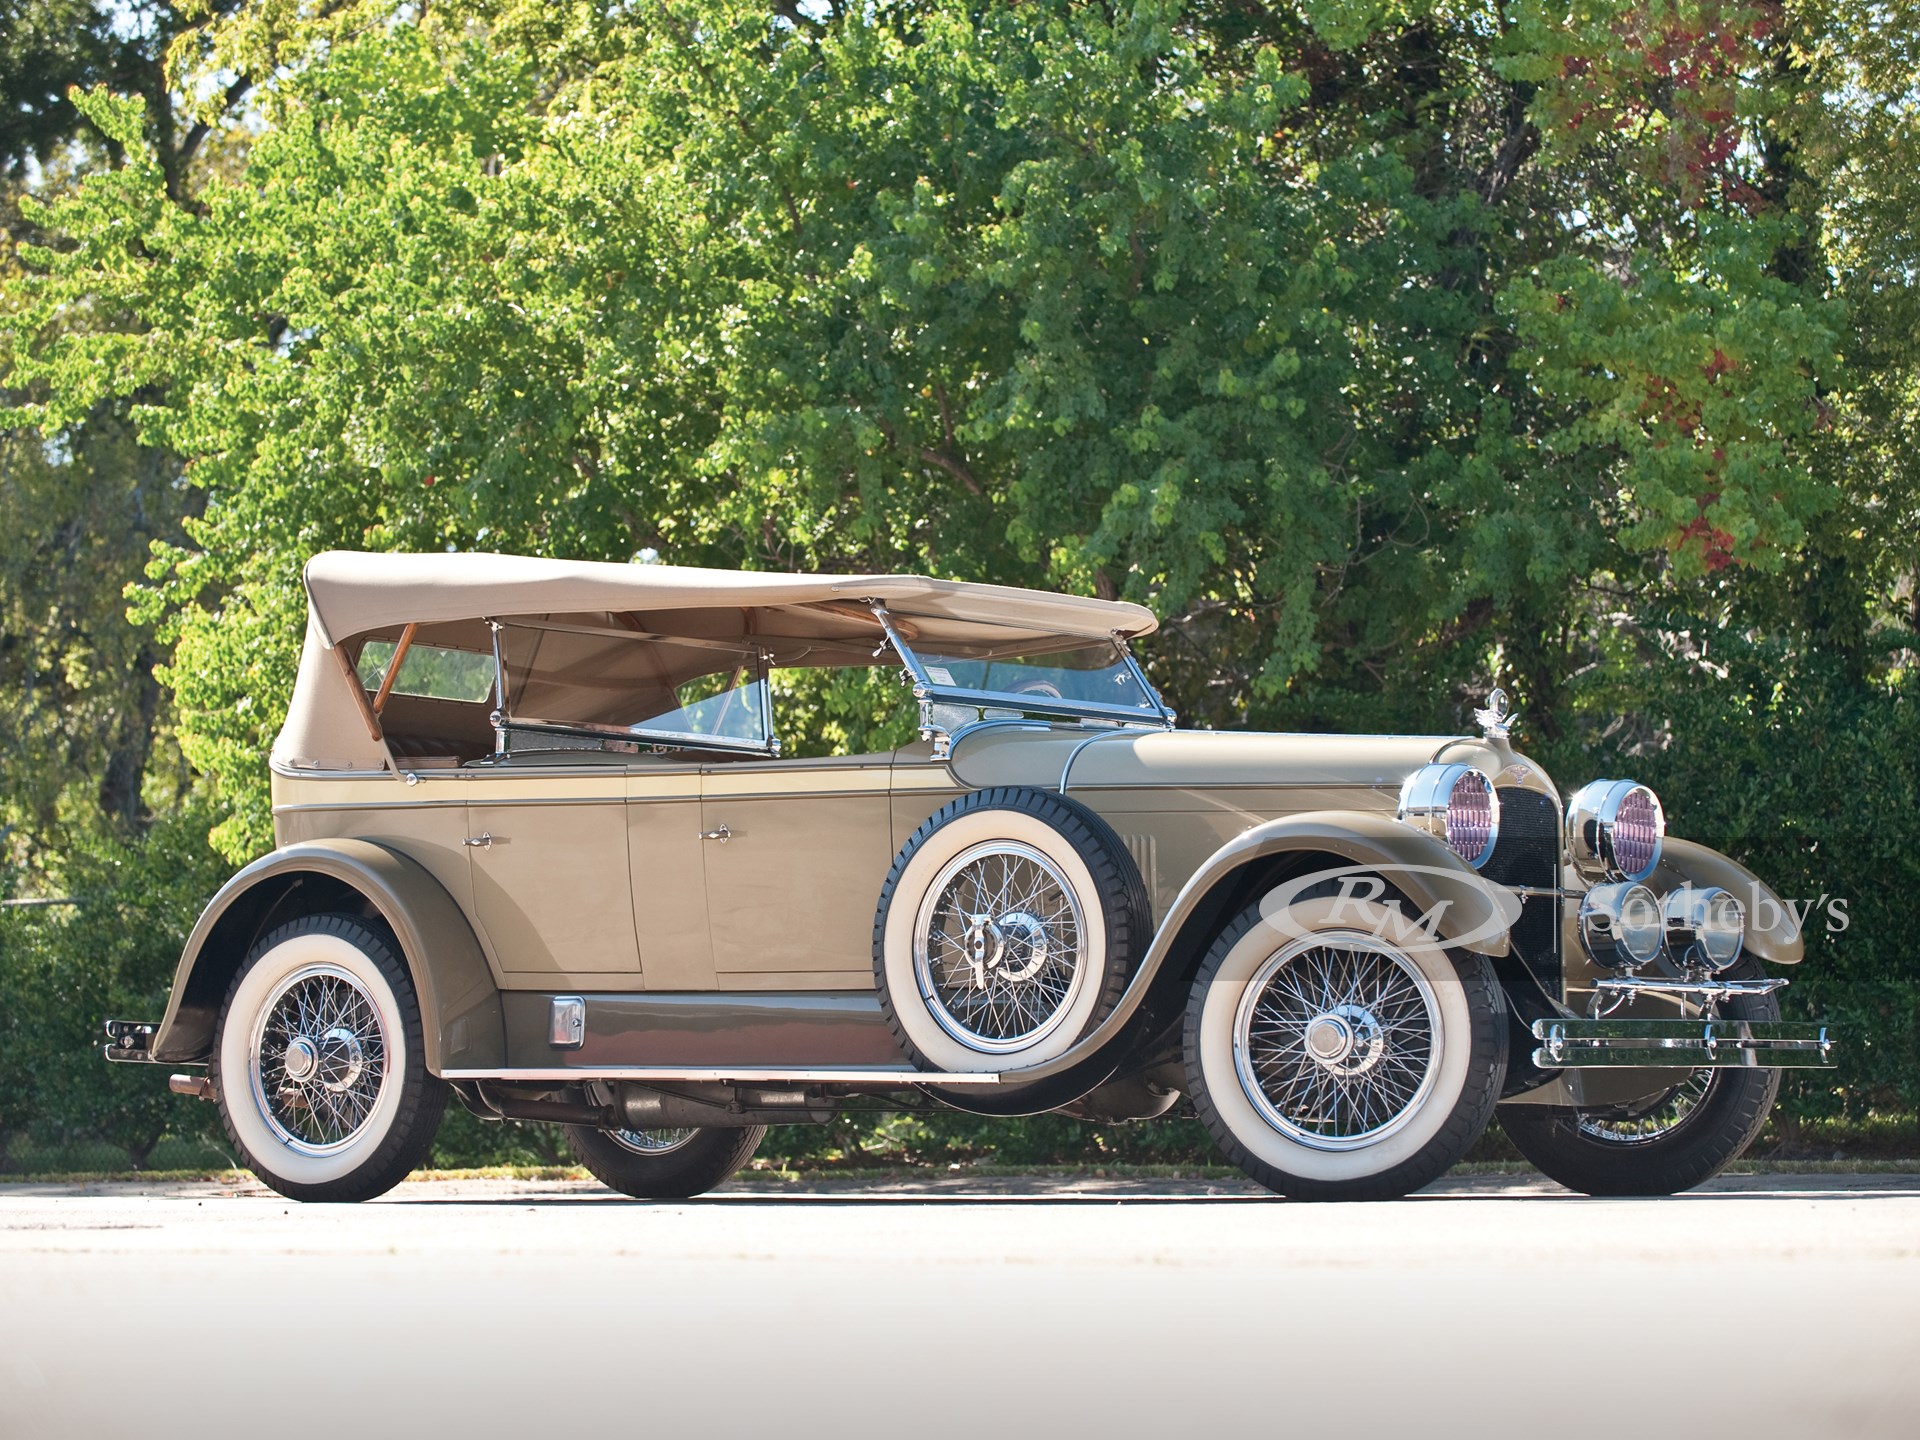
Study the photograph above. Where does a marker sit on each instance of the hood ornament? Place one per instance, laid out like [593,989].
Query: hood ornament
[1496,721]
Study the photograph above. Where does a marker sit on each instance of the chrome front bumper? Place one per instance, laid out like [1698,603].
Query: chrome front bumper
[1681,1044]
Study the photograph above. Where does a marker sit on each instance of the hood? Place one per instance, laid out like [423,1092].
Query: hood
[1202,759]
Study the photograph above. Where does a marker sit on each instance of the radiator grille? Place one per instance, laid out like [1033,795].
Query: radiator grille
[1528,853]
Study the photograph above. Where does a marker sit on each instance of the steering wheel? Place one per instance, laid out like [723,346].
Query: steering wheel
[1045,688]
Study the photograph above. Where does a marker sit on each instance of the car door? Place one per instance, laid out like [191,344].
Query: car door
[551,873]
[668,874]
[795,851]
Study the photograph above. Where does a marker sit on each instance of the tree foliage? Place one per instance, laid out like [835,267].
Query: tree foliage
[1296,325]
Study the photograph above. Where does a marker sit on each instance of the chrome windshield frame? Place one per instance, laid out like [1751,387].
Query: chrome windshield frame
[928,692]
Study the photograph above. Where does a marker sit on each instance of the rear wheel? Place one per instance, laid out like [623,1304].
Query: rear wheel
[1334,1056]
[663,1164]
[1664,1143]
[319,1062]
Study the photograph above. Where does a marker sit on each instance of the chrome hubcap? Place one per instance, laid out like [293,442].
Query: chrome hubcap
[302,1059]
[319,1059]
[1337,1040]
[997,946]
[1347,1039]
[1328,1040]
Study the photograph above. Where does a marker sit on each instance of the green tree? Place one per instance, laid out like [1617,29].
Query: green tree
[1151,301]
[82,716]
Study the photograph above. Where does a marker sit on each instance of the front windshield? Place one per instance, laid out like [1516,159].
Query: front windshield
[1092,679]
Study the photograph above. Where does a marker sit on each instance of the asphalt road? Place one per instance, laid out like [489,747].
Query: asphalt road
[1759,1307]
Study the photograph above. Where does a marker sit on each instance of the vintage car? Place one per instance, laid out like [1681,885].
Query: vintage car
[538,848]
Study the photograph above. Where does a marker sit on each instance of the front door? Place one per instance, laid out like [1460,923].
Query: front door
[796,851]
[551,875]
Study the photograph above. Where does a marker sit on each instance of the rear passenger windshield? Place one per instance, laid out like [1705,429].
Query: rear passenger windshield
[430,671]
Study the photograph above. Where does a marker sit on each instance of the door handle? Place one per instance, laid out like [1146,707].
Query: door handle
[720,833]
[479,842]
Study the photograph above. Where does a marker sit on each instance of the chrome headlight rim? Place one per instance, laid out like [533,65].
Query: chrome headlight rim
[1705,927]
[1458,805]
[1593,842]
[1622,925]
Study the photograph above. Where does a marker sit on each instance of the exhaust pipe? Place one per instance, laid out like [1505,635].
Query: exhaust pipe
[721,1107]
[200,1087]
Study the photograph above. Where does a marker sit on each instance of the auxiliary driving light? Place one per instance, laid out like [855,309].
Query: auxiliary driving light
[1620,925]
[1706,927]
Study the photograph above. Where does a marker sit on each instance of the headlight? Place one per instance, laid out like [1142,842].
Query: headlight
[1614,830]
[1620,925]
[1706,927]
[1456,803]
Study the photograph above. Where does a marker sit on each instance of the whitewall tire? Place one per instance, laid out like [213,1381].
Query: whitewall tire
[1007,928]
[1338,1054]
[664,1164]
[319,1062]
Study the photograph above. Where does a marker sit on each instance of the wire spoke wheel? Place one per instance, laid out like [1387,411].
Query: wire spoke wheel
[319,1059]
[1646,1123]
[1668,1140]
[1337,1040]
[999,946]
[653,1142]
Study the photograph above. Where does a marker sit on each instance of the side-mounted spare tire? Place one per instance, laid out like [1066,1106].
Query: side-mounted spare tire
[1007,928]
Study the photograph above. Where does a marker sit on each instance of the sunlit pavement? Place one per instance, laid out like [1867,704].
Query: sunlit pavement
[1766,1305]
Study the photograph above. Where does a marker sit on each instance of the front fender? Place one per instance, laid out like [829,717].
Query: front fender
[1430,875]
[1437,882]
[459,1003]
[1772,932]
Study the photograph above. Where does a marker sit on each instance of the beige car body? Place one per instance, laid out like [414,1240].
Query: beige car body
[714,913]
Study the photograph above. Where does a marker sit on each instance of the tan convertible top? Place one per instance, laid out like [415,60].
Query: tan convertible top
[445,599]
[354,592]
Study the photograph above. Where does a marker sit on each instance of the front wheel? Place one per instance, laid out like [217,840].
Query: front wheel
[320,1065]
[663,1164]
[1336,1055]
[1662,1144]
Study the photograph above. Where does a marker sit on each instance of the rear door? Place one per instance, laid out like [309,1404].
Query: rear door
[551,872]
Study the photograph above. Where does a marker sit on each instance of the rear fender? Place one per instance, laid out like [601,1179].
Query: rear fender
[459,1002]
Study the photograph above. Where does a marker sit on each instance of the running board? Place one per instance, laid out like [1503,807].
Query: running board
[884,1077]
[1681,1044]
